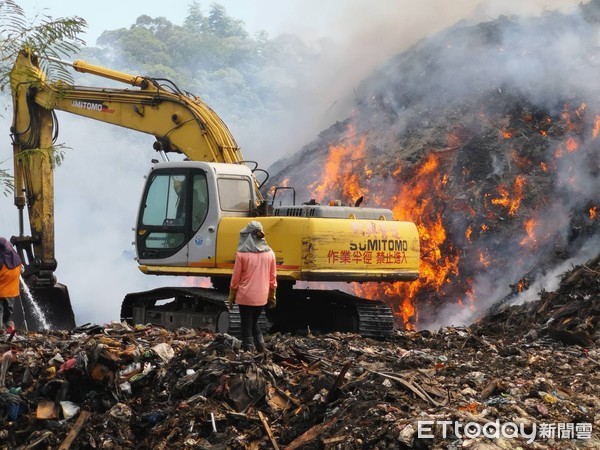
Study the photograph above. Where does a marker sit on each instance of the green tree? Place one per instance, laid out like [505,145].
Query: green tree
[251,81]
[195,20]
[222,25]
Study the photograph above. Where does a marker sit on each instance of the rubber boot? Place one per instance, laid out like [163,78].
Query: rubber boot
[248,344]
[259,342]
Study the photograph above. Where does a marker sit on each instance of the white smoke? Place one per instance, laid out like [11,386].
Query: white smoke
[97,191]
[356,37]
[459,315]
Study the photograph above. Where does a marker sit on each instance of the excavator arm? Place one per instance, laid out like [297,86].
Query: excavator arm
[181,123]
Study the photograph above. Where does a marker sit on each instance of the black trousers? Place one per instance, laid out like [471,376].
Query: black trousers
[249,320]
[7,306]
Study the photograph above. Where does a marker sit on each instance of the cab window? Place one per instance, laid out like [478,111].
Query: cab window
[235,194]
[199,200]
[165,202]
[164,206]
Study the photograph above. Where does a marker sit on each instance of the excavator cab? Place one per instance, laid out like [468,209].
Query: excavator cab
[182,206]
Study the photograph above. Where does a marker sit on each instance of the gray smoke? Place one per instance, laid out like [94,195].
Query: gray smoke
[455,93]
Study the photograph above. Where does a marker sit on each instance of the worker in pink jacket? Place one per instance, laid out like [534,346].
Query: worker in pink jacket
[253,283]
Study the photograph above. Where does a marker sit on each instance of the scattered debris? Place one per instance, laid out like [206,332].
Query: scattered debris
[146,387]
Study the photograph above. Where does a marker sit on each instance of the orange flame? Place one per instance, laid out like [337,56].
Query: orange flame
[558,153]
[203,282]
[530,239]
[571,145]
[518,188]
[468,233]
[596,129]
[503,199]
[414,202]
[508,201]
[522,285]
[415,198]
[339,171]
[593,213]
[573,118]
[484,259]
[284,183]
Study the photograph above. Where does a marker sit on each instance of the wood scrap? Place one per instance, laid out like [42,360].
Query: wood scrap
[84,415]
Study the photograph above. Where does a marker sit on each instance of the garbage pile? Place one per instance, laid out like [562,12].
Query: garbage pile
[492,155]
[495,385]
[570,314]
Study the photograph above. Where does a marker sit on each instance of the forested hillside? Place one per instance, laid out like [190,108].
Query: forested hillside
[257,83]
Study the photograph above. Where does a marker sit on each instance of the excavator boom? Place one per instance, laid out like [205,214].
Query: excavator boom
[192,127]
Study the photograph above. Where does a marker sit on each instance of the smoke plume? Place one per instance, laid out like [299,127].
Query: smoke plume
[485,135]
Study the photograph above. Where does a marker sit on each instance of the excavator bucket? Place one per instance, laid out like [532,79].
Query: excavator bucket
[44,308]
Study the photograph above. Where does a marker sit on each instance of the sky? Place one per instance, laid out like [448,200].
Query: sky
[99,183]
[309,19]
[113,14]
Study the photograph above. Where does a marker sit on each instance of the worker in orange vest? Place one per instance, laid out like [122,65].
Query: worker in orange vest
[10,276]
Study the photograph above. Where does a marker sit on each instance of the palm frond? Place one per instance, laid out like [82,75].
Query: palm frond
[45,36]
[6,183]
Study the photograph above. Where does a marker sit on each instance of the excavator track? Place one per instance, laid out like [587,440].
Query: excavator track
[326,311]
[175,307]
[375,319]
[298,311]
[235,322]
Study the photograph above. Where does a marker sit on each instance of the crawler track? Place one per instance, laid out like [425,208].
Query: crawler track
[325,311]
[172,308]
[298,310]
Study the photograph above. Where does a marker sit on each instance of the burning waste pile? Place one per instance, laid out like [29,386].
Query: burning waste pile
[487,137]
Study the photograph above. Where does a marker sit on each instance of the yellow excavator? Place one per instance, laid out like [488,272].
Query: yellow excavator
[191,212]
